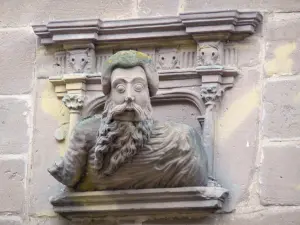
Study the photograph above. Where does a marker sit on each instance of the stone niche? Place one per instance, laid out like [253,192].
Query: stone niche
[195,65]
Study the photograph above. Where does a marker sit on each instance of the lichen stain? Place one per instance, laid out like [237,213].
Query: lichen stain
[47,213]
[55,108]
[297,187]
[237,113]
[297,98]
[281,64]
[181,6]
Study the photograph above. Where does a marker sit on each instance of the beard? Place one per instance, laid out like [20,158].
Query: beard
[118,141]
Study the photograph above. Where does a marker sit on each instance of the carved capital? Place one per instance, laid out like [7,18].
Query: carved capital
[73,101]
[211,94]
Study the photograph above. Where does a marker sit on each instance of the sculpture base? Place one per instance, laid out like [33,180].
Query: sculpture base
[153,203]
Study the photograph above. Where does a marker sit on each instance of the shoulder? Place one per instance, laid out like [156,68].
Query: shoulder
[183,130]
[88,123]
[190,134]
[180,127]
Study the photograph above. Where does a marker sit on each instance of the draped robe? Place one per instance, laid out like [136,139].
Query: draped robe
[173,157]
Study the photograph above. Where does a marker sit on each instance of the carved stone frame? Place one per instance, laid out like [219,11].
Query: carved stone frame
[211,69]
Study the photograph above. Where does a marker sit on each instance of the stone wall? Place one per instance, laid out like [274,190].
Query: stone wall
[258,151]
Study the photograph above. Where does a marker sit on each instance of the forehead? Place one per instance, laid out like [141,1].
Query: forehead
[128,73]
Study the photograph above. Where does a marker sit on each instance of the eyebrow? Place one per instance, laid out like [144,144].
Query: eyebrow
[139,79]
[115,82]
[121,80]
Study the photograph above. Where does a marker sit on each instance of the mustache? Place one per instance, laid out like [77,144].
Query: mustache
[132,106]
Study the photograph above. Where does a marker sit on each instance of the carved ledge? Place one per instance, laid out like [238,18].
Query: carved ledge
[165,202]
[204,26]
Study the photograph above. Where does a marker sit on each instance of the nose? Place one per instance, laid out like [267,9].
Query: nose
[129,99]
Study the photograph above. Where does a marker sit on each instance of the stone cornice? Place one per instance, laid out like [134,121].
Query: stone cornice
[201,26]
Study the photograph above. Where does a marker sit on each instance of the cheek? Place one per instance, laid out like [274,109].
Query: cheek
[142,99]
[117,98]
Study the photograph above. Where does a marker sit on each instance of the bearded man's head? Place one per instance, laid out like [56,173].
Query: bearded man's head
[129,80]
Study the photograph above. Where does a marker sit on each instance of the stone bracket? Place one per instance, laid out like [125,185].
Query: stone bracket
[166,202]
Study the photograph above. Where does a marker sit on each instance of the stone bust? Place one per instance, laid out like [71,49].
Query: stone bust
[124,147]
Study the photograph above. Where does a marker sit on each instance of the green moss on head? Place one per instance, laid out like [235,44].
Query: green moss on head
[126,59]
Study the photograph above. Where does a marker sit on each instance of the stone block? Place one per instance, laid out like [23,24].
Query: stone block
[12,185]
[282,46]
[280,175]
[263,217]
[17,47]
[16,13]
[45,62]
[10,220]
[50,114]
[281,107]
[275,217]
[282,26]
[248,52]
[14,129]
[157,7]
[272,216]
[49,221]
[205,5]
[281,58]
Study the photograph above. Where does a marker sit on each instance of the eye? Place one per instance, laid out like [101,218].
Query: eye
[213,54]
[120,88]
[202,53]
[82,60]
[138,87]
[73,59]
